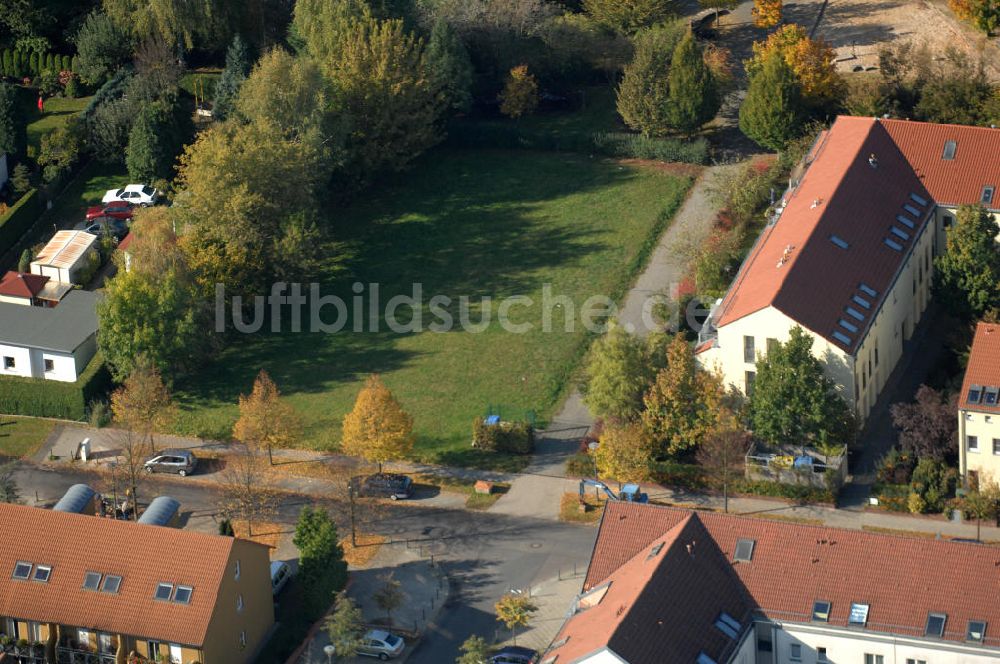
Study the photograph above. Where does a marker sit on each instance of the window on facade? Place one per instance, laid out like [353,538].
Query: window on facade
[987,196]
[821,654]
[972,443]
[92,580]
[935,624]
[183,594]
[748,350]
[50,365]
[858,615]
[948,221]
[8,362]
[42,573]
[910,660]
[163,591]
[876,353]
[795,652]
[976,631]
[239,603]
[996,446]
[874,659]
[22,570]
[821,611]
[771,345]
[749,378]
[111,584]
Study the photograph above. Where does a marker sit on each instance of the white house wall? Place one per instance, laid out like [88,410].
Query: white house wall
[22,361]
[15,300]
[985,462]
[30,362]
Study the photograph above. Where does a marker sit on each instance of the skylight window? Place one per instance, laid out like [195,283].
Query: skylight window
[821,610]
[987,196]
[858,615]
[111,584]
[728,625]
[842,338]
[655,550]
[906,221]
[850,327]
[91,581]
[839,241]
[42,573]
[163,591]
[975,393]
[592,597]
[900,233]
[22,570]
[892,244]
[935,624]
[183,594]
[744,550]
[919,200]
[949,150]
[912,210]
[976,631]
[854,313]
[857,299]
[704,659]
[990,396]
[868,290]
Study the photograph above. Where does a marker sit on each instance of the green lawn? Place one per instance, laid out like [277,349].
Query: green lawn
[22,436]
[58,110]
[86,189]
[475,223]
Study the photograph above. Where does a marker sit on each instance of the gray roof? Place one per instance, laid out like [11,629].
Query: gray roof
[61,328]
[160,511]
[75,499]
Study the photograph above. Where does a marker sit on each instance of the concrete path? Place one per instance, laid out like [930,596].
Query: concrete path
[553,597]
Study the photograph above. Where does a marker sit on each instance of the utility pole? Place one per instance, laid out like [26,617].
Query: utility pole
[350,492]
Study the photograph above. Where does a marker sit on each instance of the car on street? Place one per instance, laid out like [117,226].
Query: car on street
[116,209]
[280,574]
[381,644]
[383,485]
[514,655]
[179,462]
[137,194]
[116,228]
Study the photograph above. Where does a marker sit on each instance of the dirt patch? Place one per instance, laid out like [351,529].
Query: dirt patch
[671,168]
[361,554]
[267,533]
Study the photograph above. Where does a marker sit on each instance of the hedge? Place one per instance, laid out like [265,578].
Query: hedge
[18,219]
[38,397]
[510,437]
[470,134]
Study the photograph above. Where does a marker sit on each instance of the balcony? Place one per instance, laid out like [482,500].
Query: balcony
[74,656]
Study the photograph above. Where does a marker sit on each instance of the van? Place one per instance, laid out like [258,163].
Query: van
[280,574]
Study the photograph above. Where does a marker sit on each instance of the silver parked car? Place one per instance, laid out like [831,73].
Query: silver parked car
[381,644]
[180,462]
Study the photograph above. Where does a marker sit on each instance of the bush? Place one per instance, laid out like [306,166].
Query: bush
[509,437]
[580,465]
[99,415]
[934,483]
[72,87]
[798,492]
[916,504]
[65,63]
[18,219]
[38,397]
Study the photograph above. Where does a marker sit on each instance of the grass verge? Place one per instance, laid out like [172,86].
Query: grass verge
[367,546]
[570,511]
[22,436]
[484,501]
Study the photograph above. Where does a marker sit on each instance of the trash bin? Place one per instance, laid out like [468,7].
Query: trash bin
[84,449]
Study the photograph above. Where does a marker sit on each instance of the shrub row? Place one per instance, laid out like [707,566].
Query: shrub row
[509,437]
[39,397]
[18,63]
[797,492]
[18,219]
[610,144]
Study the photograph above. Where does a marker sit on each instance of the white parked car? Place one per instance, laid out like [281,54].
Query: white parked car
[138,194]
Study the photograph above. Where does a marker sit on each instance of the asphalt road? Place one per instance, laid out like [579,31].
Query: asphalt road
[484,554]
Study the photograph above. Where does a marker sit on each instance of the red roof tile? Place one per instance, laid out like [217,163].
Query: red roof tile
[901,579]
[142,555]
[984,367]
[126,241]
[19,284]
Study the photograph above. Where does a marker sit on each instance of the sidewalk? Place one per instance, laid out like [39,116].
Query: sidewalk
[553,597]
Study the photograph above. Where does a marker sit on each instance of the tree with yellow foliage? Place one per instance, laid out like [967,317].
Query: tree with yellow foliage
[520,93]
[377,429]
[625,453]
[265,420]
[811,61]
[766,13]
[143,404]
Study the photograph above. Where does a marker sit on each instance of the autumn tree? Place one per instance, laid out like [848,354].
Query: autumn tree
[143,403]
[520,93]
[625,453]
[693,98]
[475,650]
[629,16]
[766,13]
[967,275]
[248,494]
[927,426]
[449,66]
[793,401]
[982,501]
[772,113]
[722,455]
[984,14]
[265,419]
[515,610]
[322,26]
[238,64]
[811,62]
[389,595]
[377,429]
[643,96]
[617,372]
[683,403]
[345,626]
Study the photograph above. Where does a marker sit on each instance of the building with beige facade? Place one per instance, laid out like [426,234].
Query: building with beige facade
[98,590]
[979,408]
[848,251]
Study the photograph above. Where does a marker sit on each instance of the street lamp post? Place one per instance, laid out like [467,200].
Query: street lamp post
[329,650]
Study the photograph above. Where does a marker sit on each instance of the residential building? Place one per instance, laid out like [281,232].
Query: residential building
[672,586]
[85,584]
[979,408]
[69,257]
[32,290]
[53,343]
[848,254]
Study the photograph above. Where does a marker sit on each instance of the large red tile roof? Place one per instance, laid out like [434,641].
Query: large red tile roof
[19,284]
[142,555]
[983,370]
[901,579]
[796,267]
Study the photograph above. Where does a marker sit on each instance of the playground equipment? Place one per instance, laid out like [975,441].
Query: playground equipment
[629,493]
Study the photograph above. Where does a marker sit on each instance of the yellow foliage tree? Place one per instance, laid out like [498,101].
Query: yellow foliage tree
[265,420]
[766,13]
[625,453]
[377,429]
[143,404]
[520,93]
[811,60]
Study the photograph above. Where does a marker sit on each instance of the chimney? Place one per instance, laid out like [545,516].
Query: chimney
[873,160]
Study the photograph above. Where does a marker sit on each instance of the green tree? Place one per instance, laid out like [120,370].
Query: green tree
[345,626]
[449,66]
[156,138]
[20,180]
[102,48]
[323,25]
[9,491]
[61,150]
[475,650]
[13,126]
[967,275]
[33,63]
[322,569]
[618,371]
[793,401]
[18,63]
[520,93]
[772,113]
[238,65]
[643,96]
[389,596]
[24,262]
[515,610]
[629,16]
[694,98]
[8,63]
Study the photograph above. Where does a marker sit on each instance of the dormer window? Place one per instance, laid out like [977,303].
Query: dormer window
[987,196]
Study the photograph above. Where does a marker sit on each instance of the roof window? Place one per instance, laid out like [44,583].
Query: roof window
[704,659]
[22,570]
[842,338]
[905,221]
[839,241]
[744,550]
[163,591]
[111,584]
[857,299]
[912,210]
[182,595]
[976,631]
[935,624]
[850,327]
[987,196]
[868,290]
[858,615]
[900,233]
[821,610]
[949,150]
[592,597]
[892,244]
[728,625]
[990,396]
[854,313]
[91,581]
[919,200]
[975,393]
[42,573]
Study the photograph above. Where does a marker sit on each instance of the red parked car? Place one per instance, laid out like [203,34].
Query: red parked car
[117,209]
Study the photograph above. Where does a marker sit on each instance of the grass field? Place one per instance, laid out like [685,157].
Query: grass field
[86,189]
[22,436]
[58,110]
[461,223]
